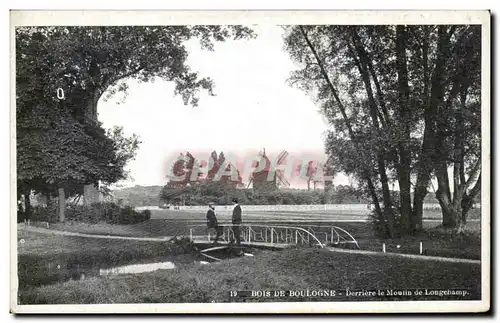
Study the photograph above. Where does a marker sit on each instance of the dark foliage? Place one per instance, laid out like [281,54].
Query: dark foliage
[95,213]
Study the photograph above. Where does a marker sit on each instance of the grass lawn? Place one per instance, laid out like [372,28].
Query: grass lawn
[173,222]
[291,269]
[256,215]
[47,258]
[435,242]
[49,245]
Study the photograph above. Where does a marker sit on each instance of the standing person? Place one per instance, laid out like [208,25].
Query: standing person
[212,221]
[236,221]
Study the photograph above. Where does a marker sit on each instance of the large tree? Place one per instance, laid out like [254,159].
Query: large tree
[59,153]
[390,94]
[91,62]
[56,152]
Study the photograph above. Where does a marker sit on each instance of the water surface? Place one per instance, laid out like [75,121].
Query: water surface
[136,268]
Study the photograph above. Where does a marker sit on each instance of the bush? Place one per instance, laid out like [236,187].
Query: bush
[21,216]
[98,212]
[130,216]
[83,213]
[113,213]
[379,227]
[45,213]
[201,194]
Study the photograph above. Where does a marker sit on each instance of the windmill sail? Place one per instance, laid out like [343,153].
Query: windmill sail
[268,178]
[281,157]
[282,181]
[280,177]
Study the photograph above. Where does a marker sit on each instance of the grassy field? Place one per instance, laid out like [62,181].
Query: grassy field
[44,258]
[50,266]
[177,223]
[291,269]
[224,213]
[173,222]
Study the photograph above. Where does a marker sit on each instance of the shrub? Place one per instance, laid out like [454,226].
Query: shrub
[379,227]
[146,214]
[21,216]
[83,213]
[98,212]
[45,213]
[128,215]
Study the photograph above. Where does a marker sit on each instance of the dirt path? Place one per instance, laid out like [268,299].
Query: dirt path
[406,255]
[86,235]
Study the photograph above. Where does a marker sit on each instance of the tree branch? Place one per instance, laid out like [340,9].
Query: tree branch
[462,171]
[328,81]
[365,172]
[475,172]
[476,189]
[468,199]
[371,69]
[106,84]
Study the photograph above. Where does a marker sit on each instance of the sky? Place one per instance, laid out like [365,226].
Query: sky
[254,108]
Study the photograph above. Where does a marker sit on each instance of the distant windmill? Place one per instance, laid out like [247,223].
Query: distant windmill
[280,177]
[260,179]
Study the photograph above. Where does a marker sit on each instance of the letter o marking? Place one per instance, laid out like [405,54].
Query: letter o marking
[60,94]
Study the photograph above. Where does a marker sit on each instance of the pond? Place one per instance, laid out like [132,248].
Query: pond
[37,270]
[136,269]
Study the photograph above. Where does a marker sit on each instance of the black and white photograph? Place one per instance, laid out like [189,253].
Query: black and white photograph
[250,162]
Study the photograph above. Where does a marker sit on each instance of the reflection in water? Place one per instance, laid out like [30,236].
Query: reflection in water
[37,270]
[135,269]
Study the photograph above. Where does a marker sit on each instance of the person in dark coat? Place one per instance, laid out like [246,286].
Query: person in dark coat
[212,221]
[236,221]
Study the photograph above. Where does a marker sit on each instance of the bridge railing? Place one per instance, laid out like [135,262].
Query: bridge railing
[277,235]
[334,235]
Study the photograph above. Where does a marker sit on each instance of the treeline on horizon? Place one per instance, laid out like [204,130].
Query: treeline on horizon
[157,195]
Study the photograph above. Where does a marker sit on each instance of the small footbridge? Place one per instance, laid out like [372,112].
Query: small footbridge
[277,236]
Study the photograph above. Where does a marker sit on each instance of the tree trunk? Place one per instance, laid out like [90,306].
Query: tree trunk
[468,200]
[27,205]
[375,113]
[424,167]
[449,218]
[458,164]
[427,155]
[424,164]
[90,192]
[366,65]
[373,194]
[443,194]
[328,191]
[418,209]
[451,206]
[48,200]
[404,122]
[386,195]
[61,204]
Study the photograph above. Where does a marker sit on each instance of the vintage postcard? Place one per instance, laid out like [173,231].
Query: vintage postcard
[250,161]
